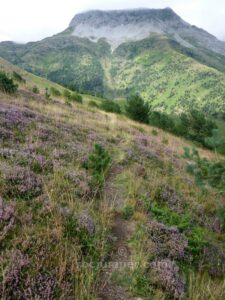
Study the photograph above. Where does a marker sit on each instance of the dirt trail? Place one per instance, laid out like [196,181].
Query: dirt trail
[121,256]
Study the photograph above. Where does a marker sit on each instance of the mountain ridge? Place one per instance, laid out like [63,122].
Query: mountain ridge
[172,69]
[90,24]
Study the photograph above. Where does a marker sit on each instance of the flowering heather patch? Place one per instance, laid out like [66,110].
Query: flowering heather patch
[7,219]
[169,241]
[32,148]
[45,133]
[21,182]
[14,121]
[8,153]
[81,181]
[5,134]
[169,195]
[70,152]
[214,260]
[12,116]
[144,146]
[41,287]
[141,139]
[10,288]
[94,137]
[40,164]
[165,274]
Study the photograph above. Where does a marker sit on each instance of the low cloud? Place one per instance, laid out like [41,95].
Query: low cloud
[26,20]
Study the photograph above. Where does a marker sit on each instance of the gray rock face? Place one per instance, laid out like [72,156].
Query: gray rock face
[120,26]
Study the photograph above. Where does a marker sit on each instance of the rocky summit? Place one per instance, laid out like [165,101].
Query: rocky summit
[120,26]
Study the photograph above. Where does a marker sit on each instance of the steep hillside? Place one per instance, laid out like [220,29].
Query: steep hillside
[31,80]
[154,52]
[61,58]
[41,83]
[166,77]
[96,206]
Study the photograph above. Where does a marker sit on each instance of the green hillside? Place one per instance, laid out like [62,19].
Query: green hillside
[41,83]
[166,77]
[158,68]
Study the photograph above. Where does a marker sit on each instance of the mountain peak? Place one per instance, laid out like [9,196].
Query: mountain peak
[119,26]
[122,16]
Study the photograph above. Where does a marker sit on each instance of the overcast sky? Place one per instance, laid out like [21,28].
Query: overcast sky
[32,20]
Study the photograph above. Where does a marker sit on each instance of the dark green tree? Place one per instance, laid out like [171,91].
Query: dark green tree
[110,106]
[162,120]
[216,141]
[206,172]
[196,126]
[97,163]
[74,96]
[137,109]
[7,84]
[35,90]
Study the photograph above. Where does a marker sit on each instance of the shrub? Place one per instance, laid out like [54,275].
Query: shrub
[141,284]
[128,212]
[35,90]
[73,229]
[110,106]
[7,219]
[137,109]
[75,97]
[194,233]
[22,183]
[161,120]
[55,92]
[47,95]
[165,274]
[206,171]
[93,104]
[137,281]
[154,132]
[6,84]
[196,241]
[168,241]
[221,215]
[18,77]
[167,216]
[97,163]
[67,102]
[66,94]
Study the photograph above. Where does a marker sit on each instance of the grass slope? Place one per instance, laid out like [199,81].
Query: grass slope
[40,82]
[62,235]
